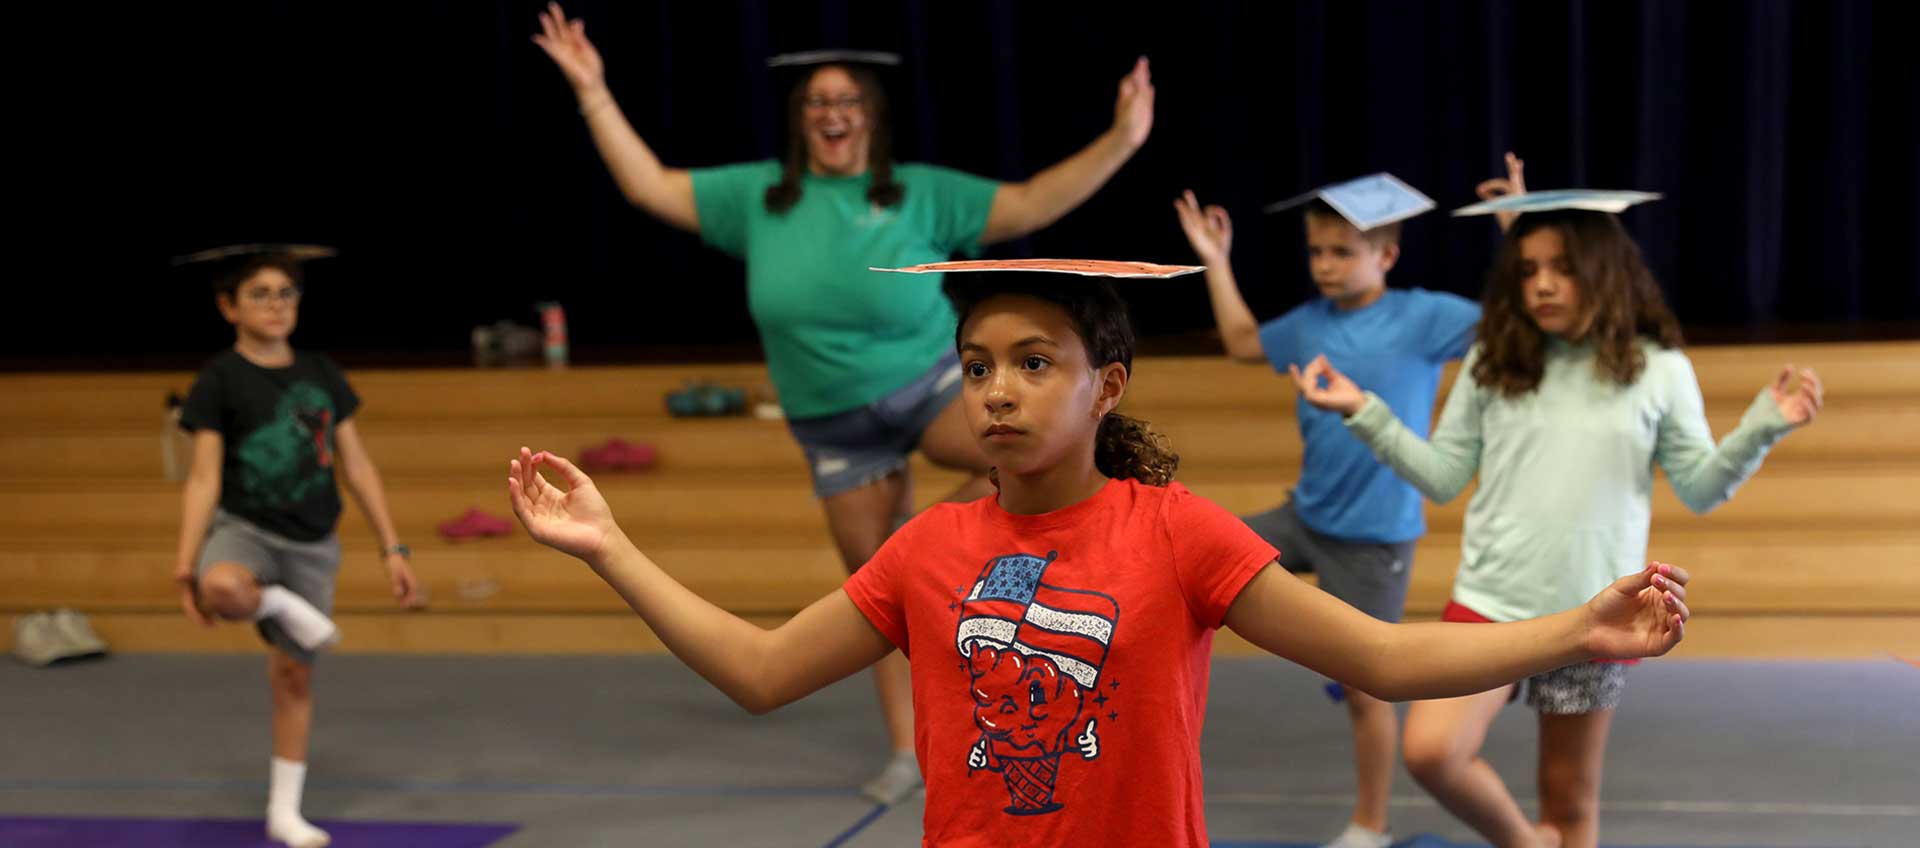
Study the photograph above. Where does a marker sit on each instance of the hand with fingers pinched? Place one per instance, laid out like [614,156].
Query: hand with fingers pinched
[1208,229]
[1326,388]
[1798,401]
[574,521]
[1643,614]
[1515,182]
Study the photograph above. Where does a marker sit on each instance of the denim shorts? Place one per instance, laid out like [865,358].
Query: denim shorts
[848,450]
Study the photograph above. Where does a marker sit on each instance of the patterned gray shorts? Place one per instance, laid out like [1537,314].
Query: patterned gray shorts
[1587,687]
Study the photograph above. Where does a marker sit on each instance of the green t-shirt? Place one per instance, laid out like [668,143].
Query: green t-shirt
[837,335]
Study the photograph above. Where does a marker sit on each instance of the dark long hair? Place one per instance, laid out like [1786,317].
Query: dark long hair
[1125,446]
[884,191]
[1619,302]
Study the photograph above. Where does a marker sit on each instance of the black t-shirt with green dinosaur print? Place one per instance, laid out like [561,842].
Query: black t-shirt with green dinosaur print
[277,425]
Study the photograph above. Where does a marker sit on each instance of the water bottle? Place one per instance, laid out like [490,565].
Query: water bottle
[175,448]
[553,320]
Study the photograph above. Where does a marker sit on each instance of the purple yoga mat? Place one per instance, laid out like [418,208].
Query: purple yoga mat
[35,832]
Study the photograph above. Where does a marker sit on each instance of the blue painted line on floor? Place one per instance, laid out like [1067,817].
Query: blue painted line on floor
[872,816]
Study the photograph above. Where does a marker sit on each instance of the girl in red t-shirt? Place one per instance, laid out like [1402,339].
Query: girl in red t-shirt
[1060,630]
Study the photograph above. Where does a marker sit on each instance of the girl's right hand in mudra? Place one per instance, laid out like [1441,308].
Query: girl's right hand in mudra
[576,521]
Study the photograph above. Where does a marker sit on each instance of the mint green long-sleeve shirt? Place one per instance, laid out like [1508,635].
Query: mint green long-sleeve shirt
[1566,472]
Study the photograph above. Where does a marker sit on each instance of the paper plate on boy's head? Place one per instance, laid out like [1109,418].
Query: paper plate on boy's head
[834,56]
[221,266]
[295,252]
[1082,267]
[1375,200]
[1587,199]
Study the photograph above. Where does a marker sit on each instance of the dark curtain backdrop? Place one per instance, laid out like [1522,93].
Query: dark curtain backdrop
[439,149]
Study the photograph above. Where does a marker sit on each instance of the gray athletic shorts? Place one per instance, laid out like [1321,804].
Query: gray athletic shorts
[1370,576]
[306,568]
[847,450]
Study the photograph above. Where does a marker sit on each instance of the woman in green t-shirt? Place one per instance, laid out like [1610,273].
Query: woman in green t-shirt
[864,364]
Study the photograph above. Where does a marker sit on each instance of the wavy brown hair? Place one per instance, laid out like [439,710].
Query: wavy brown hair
[1124,446]
[781,196]
[1619,302]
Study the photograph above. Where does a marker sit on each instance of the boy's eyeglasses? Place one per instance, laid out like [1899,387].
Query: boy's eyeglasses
[263,297]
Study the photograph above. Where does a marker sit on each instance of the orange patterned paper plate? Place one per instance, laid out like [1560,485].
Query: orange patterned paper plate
[1083,267]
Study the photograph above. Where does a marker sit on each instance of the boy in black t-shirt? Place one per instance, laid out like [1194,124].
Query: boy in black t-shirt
[270,425]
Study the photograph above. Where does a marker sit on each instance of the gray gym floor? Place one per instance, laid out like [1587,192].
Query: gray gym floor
[639,751]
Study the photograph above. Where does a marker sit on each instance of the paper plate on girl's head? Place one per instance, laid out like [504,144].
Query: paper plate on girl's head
[1082,267]
[1589,199]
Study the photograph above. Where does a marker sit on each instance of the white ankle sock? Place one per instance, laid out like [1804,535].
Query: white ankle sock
[897,781]
[284,823]
[308,626]
[1356,836]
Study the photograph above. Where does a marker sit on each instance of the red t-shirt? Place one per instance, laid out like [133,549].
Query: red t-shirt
[1060,661]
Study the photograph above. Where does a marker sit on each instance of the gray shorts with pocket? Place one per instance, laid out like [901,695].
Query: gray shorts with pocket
[305,568]
[1370,576]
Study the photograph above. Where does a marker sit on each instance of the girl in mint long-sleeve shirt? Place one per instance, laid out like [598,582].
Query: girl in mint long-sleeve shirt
[1574,391]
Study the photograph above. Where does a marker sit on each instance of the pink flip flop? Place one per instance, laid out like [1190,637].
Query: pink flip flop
[617,455]
[474,524]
